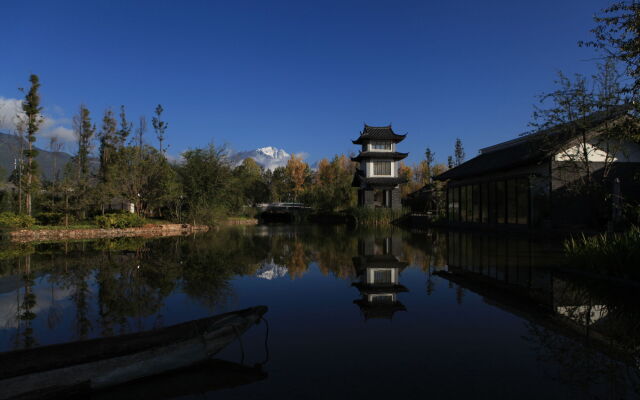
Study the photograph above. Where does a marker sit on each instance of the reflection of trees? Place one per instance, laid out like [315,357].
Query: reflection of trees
[114,283]
[296,260]
[26,306]
[334,253]
[426,249]
[331,247]
[210,262]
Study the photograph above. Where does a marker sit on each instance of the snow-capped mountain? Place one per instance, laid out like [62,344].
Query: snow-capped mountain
[271,271]
[268,157]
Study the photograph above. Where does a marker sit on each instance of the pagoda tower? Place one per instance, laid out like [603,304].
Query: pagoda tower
[378,270]
[377,177]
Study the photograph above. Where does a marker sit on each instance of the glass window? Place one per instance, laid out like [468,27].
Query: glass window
[523,200]
[469,204]
[491,205]
[463,204]
[381,145]
[450,203]
[456,204]
[512,205]
[500,203]
[476,203]
[382,276]
[382,167]
[484,203]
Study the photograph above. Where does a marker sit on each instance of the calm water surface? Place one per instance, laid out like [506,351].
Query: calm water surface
[375,314]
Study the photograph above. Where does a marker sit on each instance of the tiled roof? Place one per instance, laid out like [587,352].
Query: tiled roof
[379,182]
[525,150]
[394,155]
[378,133]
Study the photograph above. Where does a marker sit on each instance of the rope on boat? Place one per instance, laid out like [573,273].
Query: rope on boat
[239,337]
[266,341]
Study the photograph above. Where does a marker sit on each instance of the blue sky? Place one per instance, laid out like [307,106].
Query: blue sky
[300,75]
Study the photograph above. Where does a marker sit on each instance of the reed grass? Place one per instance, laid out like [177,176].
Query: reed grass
[376,216]
[616,254]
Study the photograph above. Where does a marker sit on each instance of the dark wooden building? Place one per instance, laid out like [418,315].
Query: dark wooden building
[530,182]
[377,177]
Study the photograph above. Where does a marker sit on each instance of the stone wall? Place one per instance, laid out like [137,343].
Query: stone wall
[41,235]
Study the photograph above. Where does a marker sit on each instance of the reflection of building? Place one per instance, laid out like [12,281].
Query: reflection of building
[378,271]
[377,176]
[520,276]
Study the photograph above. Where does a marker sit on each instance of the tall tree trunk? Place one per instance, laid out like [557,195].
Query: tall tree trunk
[29,180]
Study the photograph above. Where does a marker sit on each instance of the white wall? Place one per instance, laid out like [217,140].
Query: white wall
[596,152]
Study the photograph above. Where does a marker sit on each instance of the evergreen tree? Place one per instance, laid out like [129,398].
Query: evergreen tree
[458,153]
[430,158]
[84,132]
[125,129]
[108,142]
[33,119]
[160,127]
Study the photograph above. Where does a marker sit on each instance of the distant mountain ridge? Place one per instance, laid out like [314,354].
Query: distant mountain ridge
[10,147]
[268,157]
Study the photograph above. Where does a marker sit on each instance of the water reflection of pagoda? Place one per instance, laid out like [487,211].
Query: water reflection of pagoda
[378,270]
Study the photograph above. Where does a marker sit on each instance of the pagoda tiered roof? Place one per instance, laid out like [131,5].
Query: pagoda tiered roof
[367,155]
[365,288]
[378,133]
[385,311]
[378,261]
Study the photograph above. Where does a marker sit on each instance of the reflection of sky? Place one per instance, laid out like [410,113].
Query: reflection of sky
[56,317]
[48,299]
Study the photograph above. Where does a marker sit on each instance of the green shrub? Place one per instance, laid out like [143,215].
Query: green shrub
[124,220]
[51,218]
[11,220]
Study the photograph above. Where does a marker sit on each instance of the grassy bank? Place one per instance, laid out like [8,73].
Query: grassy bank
[376,216]
[615,254]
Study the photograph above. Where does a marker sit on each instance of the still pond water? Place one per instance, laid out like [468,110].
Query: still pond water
[352,314]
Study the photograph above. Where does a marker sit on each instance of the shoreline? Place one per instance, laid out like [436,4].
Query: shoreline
[39,235]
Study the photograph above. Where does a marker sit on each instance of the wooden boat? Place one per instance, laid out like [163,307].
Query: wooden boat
[88,365]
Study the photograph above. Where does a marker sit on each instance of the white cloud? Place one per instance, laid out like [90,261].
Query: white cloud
[63,134]
[11,110]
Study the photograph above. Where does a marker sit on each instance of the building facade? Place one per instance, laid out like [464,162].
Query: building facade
[534,181]
[377,177]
